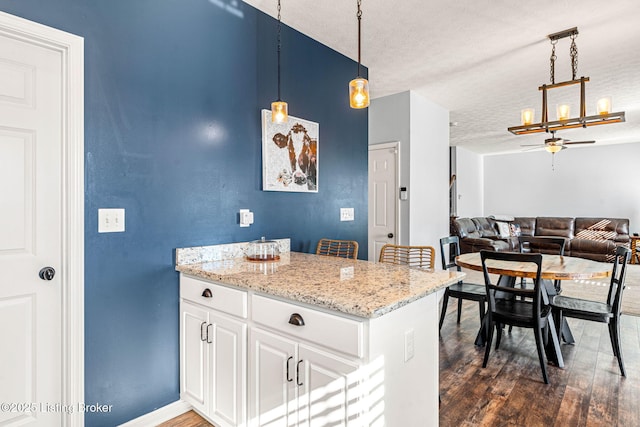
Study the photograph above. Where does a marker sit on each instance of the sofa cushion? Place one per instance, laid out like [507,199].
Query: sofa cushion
[555,226]
[527,225]
[615,229]
[597,250]
[465,228]
[485,226]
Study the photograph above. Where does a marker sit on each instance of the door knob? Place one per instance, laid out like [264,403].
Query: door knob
[47,273]
[390,235]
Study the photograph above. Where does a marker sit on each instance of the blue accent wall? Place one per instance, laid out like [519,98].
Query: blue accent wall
[173,93]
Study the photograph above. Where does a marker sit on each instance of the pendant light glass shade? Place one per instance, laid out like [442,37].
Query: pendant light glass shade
[279,112]
[359,93]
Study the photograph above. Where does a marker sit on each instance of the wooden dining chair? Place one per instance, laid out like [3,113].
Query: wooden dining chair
[462,290]
[603,312]
[413,256]
[506,308]
[338,248]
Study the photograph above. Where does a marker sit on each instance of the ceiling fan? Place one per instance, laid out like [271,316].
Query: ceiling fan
[555,144]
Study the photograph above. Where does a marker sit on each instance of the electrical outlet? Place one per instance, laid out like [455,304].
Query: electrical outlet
[246,217]
[347,214]
[110,220]
[409,348]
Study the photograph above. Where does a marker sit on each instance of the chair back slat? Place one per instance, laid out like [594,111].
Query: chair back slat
[338,248]
[543,245]
[413,256]
[497,291]
[454,246]
[618,276]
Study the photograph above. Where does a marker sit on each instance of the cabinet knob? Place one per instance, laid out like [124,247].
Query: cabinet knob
[296,320]
[207,293]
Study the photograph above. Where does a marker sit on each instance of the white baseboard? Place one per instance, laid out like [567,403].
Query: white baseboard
[160,415]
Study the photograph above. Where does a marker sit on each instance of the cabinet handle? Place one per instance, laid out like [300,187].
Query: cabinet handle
[298,373]
[289,360]
[209,335]
[296,320]
[202,335]
[207,293]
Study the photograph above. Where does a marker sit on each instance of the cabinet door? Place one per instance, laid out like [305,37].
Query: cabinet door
[194,356]
[272,385]
[228,370]
[330,394]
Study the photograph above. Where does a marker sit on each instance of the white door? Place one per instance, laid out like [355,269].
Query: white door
[328,390]
[30,230]
[272,380]
[194,326]
[383,197]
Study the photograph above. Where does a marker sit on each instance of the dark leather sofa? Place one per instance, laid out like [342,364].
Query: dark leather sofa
[592,238]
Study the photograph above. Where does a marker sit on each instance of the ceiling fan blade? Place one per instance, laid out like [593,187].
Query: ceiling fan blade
[579,142]
[532,145]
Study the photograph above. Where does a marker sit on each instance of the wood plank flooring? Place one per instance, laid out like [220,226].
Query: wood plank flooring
[589,391]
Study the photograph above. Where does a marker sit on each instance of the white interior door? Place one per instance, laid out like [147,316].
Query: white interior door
[30,231]
[383,197]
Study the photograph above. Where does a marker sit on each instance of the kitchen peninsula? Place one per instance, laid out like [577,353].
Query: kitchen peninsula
[308,340]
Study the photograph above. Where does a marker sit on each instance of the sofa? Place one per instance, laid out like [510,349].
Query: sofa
[591,238]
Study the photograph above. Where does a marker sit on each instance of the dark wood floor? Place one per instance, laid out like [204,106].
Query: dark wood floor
[589,391]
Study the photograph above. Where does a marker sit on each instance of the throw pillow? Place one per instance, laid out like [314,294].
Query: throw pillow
[503,229]
[515,230]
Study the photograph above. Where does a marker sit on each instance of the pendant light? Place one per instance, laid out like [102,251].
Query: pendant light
[359,87]
[279,108]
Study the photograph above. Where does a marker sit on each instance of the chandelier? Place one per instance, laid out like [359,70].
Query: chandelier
[564,120]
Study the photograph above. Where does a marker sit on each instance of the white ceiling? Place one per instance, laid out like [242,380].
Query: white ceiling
[483,60]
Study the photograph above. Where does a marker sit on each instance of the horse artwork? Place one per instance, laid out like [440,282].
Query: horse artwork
[289,155]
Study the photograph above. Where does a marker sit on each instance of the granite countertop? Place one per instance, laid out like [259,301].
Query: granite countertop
[360,288]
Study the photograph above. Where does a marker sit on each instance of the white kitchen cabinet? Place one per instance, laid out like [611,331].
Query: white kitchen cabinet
[213,358]
[294,380]
[274,362]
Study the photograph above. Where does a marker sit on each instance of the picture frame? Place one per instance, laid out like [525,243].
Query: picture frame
[290,155]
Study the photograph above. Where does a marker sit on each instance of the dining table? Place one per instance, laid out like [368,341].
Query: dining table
[554,267]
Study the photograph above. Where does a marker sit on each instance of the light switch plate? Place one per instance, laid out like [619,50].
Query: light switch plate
[347,214]
[110,220]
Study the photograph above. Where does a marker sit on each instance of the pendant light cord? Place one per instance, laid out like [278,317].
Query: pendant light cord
[279,46]
[359,15]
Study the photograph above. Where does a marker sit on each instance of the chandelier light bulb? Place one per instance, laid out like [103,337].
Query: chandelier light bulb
[563,111]
[527,116]
[604,105]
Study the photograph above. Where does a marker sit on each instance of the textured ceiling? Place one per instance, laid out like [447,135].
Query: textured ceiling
[484,60]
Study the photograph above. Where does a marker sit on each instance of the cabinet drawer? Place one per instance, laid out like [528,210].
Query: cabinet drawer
[335,332]
[227,300]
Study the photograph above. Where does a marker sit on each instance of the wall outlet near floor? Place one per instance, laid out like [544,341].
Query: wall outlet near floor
[110,220]
[347,214]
